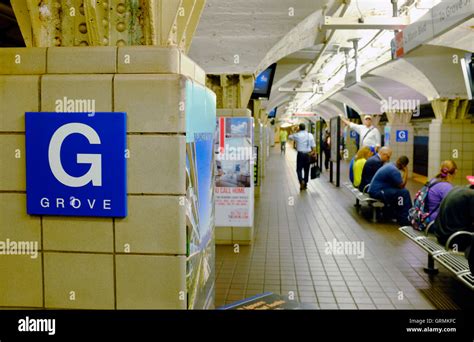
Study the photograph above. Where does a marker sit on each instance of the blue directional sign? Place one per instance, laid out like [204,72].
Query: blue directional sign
[402,136]
[75,164]
[353,134]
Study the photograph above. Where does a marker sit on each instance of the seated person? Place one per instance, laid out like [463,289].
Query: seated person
[456,212]
[372,165]
[351,170]
[388,185]
[359,161]
[439,188]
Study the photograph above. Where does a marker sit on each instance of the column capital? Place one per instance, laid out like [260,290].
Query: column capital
[162,23]
[399,118]
[450,109]
[232,90]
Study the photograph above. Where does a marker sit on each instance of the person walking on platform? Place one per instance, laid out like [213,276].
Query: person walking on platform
[304,145]
[372,165]
[327,151]
[283,139]
[369,134]
[388,185]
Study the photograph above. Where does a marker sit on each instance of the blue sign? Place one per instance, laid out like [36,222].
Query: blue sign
[75,164]
[402,135]
[353,134]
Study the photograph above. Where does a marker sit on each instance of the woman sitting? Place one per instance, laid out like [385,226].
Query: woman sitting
[439,187]
[361,157]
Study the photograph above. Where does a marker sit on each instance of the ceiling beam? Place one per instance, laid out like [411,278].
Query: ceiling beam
[366,23]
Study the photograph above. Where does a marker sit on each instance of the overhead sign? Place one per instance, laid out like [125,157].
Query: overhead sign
[450,13]
[417,33]
[402,136]
[76,164]
[352,77]
[304,115]
[439,19]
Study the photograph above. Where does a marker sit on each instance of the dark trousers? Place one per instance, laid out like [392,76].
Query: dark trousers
[302,163]
[399,200]
[327,157]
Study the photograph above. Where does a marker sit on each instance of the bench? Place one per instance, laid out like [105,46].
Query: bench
[361,197]
[455,262]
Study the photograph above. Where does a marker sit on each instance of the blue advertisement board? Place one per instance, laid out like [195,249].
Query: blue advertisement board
[76,164]
[200,145]
[387,136]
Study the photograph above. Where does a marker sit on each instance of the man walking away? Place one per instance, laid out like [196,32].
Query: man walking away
[304,145]
[283,138]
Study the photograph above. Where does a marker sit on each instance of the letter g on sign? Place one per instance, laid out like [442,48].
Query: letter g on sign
[54,156]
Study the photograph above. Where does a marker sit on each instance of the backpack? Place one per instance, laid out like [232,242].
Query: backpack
[418,215]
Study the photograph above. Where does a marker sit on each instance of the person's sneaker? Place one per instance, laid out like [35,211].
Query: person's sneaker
[302,186]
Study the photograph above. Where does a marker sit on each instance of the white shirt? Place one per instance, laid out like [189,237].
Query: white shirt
[372,138]
[304,141]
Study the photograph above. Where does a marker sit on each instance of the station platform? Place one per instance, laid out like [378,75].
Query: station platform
[288,254]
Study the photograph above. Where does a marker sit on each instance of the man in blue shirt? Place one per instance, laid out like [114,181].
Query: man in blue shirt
[388,185]
[373,164]
[304,145]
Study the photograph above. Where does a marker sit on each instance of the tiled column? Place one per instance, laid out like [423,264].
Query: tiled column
[139,262]
[400,128]
[20,76]
[451,136]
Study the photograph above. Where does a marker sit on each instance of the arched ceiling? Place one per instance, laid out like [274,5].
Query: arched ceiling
[259,32]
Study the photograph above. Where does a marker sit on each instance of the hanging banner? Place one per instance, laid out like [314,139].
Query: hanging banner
[234,191]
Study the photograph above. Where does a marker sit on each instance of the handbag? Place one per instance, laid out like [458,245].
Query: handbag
[312,155]
[315,171]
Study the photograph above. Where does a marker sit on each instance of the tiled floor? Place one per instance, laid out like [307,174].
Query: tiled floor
[289,256]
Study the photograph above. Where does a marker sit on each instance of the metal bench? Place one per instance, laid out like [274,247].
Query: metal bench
[455,262]
[374,204]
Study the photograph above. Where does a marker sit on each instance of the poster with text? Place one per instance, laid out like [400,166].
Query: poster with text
[234,191]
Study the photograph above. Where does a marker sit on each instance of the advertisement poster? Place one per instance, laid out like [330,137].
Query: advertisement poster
[265,301]
[199,201]
[234,172]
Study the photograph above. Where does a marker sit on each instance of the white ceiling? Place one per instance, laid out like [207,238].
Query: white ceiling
[247,28]
[246,36]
